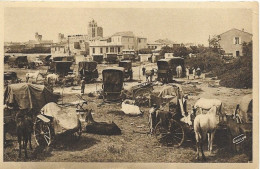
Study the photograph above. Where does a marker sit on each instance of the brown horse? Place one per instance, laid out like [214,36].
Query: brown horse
[24,127]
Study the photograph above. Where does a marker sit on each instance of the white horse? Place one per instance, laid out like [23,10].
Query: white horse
[52,78]
[205,124]
[32,76]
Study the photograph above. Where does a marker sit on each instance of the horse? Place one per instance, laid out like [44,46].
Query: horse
[205,124]
[52,78]
[32,75]
[24,127]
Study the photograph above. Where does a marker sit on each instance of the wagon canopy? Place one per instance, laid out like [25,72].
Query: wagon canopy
[127,64]
[17,59]
[64,118]
[113,79]
[164,64]
[87,65]
[61,67]
[28,96]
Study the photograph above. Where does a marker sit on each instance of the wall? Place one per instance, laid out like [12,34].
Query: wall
[227,41]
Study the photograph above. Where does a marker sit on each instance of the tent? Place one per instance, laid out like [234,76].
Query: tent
[28,96]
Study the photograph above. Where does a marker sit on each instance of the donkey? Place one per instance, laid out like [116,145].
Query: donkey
[101,128]
[24,127]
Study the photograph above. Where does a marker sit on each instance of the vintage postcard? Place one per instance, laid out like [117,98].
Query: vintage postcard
[129,84]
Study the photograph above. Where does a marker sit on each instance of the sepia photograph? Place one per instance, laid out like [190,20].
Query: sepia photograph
[141,82]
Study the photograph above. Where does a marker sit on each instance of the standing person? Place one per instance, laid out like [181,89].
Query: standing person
[198,71]
[151,77]
[143,69]
[187,73]
[194,72]
[83,83]
[177,71]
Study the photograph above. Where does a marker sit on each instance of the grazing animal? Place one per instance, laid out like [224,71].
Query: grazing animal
[32,76]
[52,78]
[205,124]
[101,128]
[24,127]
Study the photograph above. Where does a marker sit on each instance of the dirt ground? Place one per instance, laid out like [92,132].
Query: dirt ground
[133,145]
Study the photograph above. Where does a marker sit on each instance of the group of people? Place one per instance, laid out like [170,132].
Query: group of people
[193,71]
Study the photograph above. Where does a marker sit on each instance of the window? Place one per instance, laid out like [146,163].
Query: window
[139,40]
[111,49]
[155,47]
[106,49]
[237,53]
[101,50]
[237,40]
[118,49]
[93,50]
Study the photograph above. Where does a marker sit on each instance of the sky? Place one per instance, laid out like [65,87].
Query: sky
[192,25]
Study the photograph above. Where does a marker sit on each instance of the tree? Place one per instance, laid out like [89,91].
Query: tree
[145,51]
[166,49]
[214,41]
[247,49]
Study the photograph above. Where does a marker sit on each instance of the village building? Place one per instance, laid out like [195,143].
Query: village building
[231,41]
[168,55]
[78,44]
[129,41]
[104,47]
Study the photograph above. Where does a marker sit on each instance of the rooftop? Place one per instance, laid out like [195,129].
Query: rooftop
[126,33]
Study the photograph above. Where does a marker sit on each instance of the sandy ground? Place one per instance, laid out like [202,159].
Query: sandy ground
[131,146]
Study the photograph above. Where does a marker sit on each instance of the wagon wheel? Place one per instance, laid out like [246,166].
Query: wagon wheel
[171,136]
[42,133]
[177,133]
[78,133]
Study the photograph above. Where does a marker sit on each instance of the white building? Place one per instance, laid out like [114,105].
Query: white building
[104,47]
[129,41]
[168,55]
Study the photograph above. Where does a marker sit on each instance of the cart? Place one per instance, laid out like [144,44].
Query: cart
[127,65]
[165,120]
[113,79]
[56,120]
[88,70]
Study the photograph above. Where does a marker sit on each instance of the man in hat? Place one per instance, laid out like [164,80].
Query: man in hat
[83,82]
